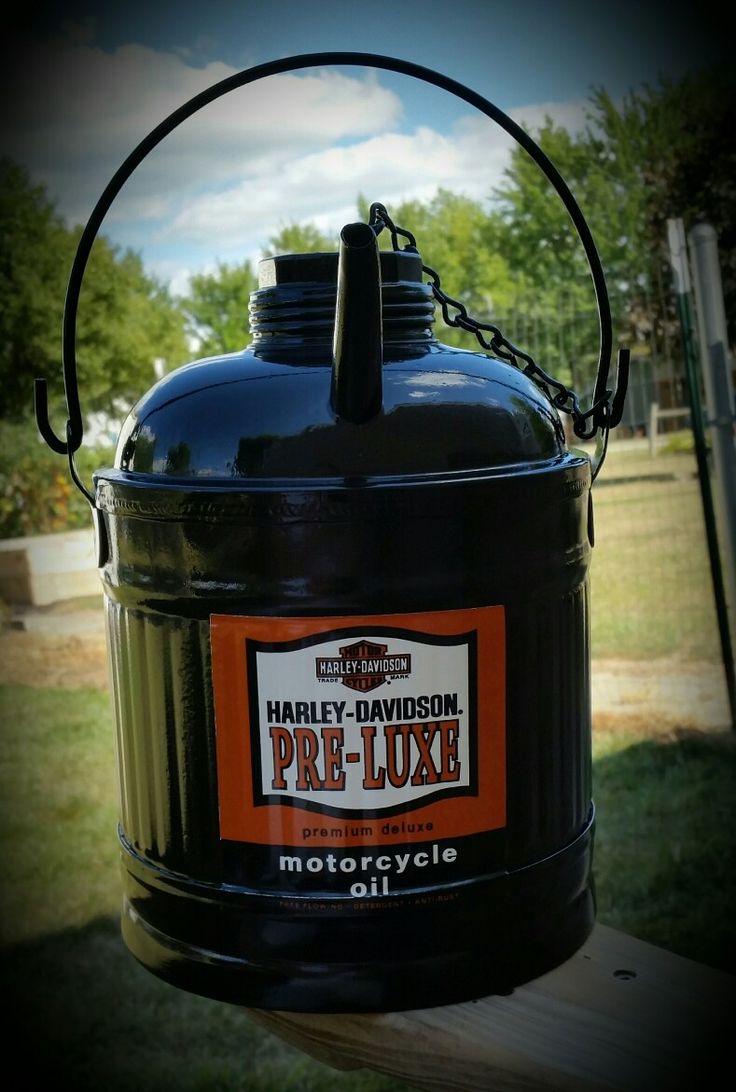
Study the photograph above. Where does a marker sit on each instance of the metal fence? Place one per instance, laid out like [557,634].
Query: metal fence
[652,587]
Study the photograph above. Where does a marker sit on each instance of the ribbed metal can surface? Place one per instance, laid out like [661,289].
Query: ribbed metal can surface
[353,732]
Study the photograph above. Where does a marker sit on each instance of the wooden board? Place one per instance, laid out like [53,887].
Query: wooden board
[44,569]
[621,1014]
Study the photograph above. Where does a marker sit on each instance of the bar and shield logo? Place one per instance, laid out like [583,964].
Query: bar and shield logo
[363,665]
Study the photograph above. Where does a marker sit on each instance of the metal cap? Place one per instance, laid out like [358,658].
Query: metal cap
[396,265]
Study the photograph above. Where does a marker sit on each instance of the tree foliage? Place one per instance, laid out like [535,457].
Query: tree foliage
[216,308]
[555,304]
[37,496]
[452,236]
[296,238]
[126,320]
[673,154]
[665,152]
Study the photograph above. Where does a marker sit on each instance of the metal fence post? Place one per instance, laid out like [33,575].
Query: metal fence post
[719,396]
[681,279]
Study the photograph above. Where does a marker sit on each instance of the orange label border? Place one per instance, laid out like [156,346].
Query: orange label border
[242,820]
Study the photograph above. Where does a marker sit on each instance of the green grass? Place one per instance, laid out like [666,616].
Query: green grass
[666,840]
[651,592]
[58,811]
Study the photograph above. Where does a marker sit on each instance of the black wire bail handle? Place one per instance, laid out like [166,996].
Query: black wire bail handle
[606,408]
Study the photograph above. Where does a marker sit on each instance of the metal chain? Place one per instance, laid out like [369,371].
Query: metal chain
[563,398]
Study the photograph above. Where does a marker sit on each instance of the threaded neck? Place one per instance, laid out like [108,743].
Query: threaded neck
[295,303]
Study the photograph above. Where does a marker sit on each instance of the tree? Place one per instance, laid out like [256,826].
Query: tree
[674,145]
[301,239]
[126,321]
[217,308]
[451,236]
[554,293]
[667,151]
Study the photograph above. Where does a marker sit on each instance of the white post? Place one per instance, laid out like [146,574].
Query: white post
[653,426]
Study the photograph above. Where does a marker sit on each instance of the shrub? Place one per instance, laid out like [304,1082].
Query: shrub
[37,495]
[678,443]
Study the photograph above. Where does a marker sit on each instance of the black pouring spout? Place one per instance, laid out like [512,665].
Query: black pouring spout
[357,392]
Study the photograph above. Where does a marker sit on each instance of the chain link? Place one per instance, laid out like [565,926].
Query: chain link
[561,397]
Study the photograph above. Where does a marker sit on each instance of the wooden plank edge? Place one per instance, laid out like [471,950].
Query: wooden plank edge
[621,1014]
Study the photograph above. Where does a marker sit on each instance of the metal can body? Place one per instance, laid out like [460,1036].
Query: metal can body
[496,887]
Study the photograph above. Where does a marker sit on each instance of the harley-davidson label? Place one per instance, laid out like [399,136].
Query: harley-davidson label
[338,733]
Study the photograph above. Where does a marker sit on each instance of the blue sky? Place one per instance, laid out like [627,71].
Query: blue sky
[87,81]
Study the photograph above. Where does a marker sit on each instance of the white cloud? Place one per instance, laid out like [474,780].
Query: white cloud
[288,148]
[322,186]
[567,115]
[177,275]
[77,112]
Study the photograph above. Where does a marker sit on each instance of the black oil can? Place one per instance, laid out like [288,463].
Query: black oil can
[346,584]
